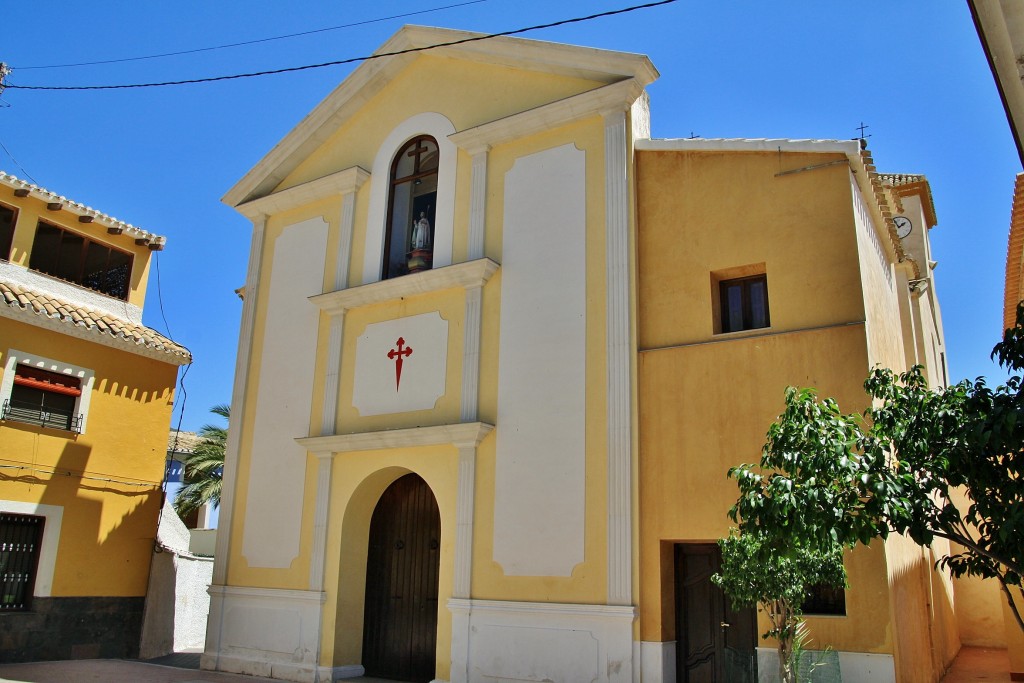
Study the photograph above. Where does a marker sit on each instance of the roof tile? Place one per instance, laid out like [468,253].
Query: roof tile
[47,305]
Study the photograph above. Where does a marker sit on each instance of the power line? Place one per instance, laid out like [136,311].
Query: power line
[351,60]
[251,42]
[82,475]
[26,173]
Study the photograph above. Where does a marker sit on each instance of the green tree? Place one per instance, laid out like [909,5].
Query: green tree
[204,467]
[756,573]
[827,477]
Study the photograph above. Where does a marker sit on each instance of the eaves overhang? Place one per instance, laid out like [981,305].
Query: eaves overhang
[46,311]
[86,214]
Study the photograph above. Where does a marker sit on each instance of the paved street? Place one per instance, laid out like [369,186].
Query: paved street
[973,665]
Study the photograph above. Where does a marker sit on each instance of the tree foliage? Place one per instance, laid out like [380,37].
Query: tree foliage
[755,572]
[826,477]
[204,467]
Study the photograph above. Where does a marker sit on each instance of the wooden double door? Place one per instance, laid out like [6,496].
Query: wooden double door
[400,618]
[715,643]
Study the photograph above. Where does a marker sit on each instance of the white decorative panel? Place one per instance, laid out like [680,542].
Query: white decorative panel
[500,642]
[277,464]
[401,365]
[540,469]
[264,632]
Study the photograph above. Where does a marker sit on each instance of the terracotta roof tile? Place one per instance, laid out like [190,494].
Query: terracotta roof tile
[182,442]
[103,324]
[79,209]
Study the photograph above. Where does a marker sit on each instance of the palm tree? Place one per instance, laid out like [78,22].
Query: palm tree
[204,467]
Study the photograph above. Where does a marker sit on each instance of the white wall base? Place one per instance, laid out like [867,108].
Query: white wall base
[657,662]
[265,632]
[496,642]
[856,667]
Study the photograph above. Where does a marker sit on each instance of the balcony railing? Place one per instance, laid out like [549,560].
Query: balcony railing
[40,416]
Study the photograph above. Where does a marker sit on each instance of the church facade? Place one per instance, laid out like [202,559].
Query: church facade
[500,347]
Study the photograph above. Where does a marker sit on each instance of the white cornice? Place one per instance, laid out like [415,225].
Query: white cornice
[571,109]
[468,274]
[850,148]
[544,608]
[373,75]
[521,53]
[335,184]
[467,433]
[291,595]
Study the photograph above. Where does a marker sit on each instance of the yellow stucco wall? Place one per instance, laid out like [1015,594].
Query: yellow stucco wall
[106,537]
[706,408]
[468,93]
[31,211]
[712,223]
[707,399]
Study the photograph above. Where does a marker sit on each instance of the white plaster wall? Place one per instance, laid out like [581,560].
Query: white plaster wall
[540,469]
[265,632]
[191,601]
[177,601]
[658,662]
[495,642]
[377,390]
[855,667]
[284,399]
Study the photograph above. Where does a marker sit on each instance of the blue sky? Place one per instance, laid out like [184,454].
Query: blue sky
[161,158]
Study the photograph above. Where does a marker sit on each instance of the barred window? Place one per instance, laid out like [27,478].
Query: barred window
[20,539]
[43,398]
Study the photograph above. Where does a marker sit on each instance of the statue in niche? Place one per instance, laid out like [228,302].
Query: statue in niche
[421,232]
[421,256]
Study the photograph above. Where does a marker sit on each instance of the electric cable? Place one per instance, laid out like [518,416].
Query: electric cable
[16,163]
[251,42]
[351,60]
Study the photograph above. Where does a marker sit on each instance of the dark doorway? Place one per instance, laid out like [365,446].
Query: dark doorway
[715,643]
[400,619]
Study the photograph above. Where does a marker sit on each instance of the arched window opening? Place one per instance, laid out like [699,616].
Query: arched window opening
[412,205]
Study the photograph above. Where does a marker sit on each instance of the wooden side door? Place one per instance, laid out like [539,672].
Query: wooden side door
[400,618]
[715,643]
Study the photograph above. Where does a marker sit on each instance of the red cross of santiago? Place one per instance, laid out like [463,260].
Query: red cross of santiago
[398,355]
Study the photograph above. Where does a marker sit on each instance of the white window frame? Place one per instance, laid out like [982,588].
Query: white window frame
[438,127]
[54,515]
[84,375]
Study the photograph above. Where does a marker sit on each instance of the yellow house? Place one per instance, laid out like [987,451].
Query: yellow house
[499,348]
[86,392]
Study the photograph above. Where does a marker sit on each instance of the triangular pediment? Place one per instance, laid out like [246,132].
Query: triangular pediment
[602,67]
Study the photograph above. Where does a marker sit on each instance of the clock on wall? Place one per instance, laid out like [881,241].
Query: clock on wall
[903,226]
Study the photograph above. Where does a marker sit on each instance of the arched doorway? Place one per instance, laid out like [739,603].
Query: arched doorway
[403,557]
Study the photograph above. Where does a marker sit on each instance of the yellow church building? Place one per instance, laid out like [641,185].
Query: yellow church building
[498,350]
[86,392]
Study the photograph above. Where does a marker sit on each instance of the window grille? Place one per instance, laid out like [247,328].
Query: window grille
[20,538]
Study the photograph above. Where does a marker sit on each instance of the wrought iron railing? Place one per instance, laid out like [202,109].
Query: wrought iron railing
[39,416]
